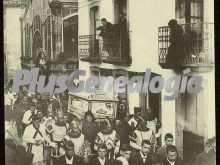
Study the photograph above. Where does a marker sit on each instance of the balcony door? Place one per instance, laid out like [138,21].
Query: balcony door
[37,45]
[94,24]
[70,35]
[189,11]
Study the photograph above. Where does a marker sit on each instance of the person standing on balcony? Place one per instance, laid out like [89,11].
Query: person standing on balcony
[124,39]
[106,32]
[176,49]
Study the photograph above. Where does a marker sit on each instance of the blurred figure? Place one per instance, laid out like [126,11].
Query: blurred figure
[125,152]
[139,135]
[20,108]
[90,128]
[176,48]
[8,99]
[208,157]
[124,130]
[172,156]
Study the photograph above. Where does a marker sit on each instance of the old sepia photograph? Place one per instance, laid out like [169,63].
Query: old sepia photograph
[109,82]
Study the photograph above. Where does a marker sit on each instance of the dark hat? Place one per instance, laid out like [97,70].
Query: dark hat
[103,19]
[137,110]
[88,113]
[172,22]
[69,145]
[36,117]
[31,104]
[168,135]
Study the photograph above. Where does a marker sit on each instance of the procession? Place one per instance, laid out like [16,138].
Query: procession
[109,82]
[51,131]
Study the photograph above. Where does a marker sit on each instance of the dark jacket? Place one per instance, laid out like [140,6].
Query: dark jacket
[106,31]
[178,161]
[136,159]
[90,130]
[62,161]
[95,161]
[206,158]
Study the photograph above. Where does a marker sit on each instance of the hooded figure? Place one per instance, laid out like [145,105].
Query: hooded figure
[75,135]
[90,128]
[140,134]
[110,138]
[176,49]
[58,131]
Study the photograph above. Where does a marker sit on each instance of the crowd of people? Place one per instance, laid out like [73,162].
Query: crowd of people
[52,135]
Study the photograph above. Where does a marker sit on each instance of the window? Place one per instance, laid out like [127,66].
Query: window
[70,37]
[48,36]
[27,40]
[189,11]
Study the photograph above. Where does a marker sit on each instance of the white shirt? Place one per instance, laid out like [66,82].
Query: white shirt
[143,157]
[171,163]
[69,161]
[123,160]
[9,98]
[102,161]
[26,118]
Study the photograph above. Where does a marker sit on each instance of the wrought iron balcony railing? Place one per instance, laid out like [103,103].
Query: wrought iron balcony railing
[114,50]
[197,46]
[89,48]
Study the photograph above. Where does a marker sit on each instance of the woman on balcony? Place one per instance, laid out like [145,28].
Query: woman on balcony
[176,49]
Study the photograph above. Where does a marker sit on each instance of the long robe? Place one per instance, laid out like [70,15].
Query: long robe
[29,138]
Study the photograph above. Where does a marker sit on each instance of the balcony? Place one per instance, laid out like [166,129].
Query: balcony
[61,65]
[96,50]
[198,47]
[89,49]
[115,51]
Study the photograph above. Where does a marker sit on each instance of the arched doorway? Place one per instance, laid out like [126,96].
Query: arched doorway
[37,45]
[70,37]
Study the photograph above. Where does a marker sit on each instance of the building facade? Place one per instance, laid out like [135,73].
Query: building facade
[51,27]
[12,49]
[67,31]
[189,116]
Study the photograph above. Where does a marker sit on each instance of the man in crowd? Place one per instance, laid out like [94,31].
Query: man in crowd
[69,158]
[58,132]
[19,109]
[162,150]
[143,157]
[208,157]
[101,159]
[28,115]
[75,135]
[8,99]
[110,138]
[172,157]
[125,152]
[139,135]
[90,128]
[33,138]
